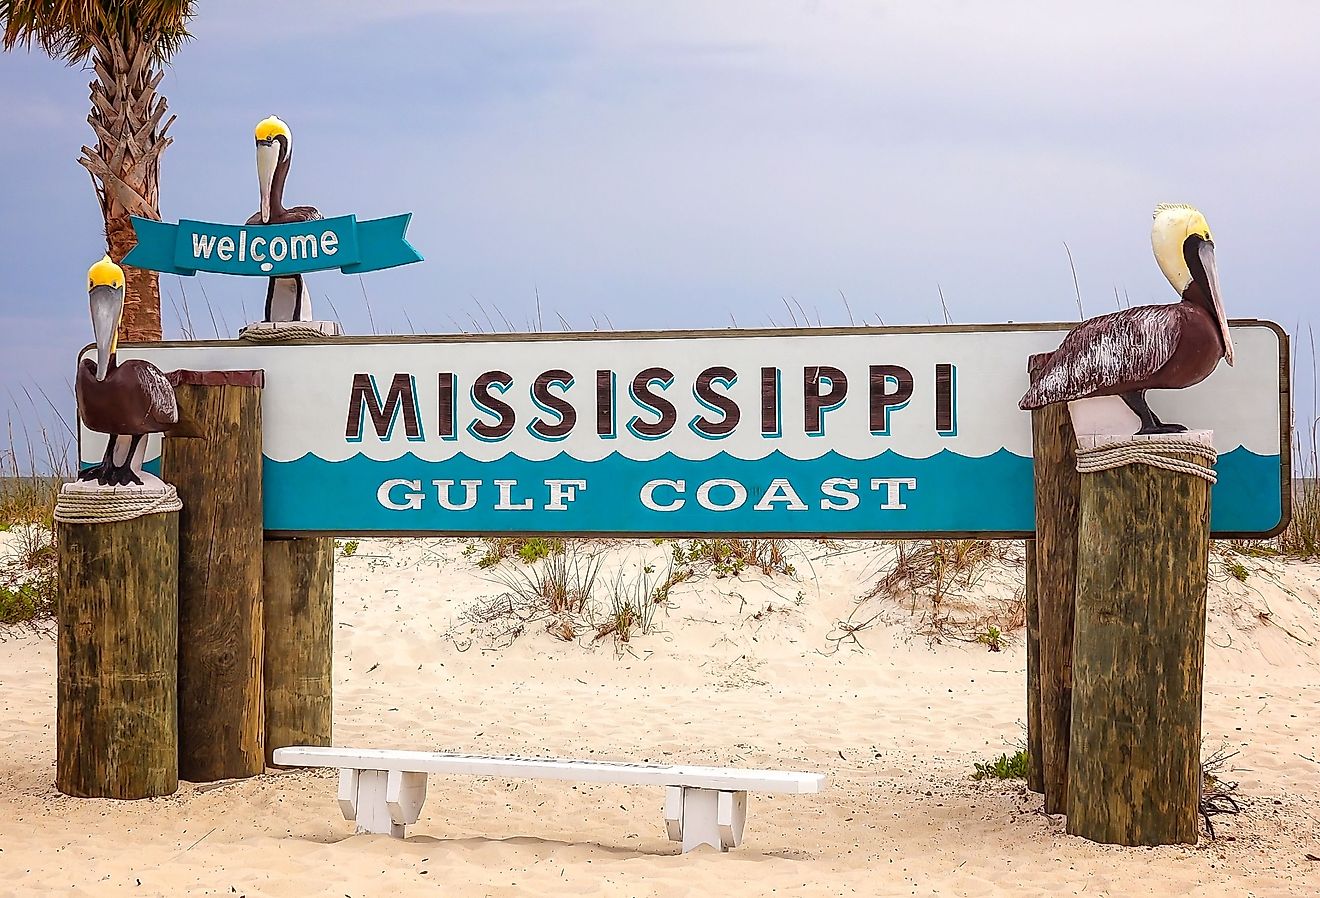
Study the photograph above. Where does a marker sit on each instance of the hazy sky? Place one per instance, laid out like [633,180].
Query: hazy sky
[681,164]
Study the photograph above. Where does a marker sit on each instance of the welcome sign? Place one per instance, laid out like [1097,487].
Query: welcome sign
[345,243]
[851,431]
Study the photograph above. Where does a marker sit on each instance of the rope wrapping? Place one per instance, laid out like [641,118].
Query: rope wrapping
[1155,452]
[108,506]
[289,333]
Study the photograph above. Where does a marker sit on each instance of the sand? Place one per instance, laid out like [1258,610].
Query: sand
[740,671]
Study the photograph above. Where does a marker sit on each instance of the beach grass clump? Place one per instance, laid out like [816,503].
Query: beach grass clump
[565,583]
[1004,767]
[28,568]
[1301,538]
[28,561]
[557,594]
[633,602]
[936,579]
[730,557]
[567,594]
[490,551]
[27,500]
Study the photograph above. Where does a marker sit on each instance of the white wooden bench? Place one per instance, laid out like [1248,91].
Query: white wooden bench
[383,790]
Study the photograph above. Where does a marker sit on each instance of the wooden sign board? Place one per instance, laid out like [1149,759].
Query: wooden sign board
[894,432]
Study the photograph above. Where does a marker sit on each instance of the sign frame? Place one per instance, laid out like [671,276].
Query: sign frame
[1285,420]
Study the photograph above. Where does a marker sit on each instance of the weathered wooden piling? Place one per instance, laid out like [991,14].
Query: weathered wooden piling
[1139,643]
[218,476]
[299,621]
[1056,576]
[117,706]
[1035,766]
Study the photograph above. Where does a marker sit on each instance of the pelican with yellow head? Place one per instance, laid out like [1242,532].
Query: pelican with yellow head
[125,401]
[287,298]
[1160,347]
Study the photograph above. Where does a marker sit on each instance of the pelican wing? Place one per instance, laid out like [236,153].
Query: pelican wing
[1105,352]
[160,395]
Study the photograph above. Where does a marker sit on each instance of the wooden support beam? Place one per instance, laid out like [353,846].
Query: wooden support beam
[218,476]
[1053,449]
[116,700]
[299,616]
[1035,765]
[1135,765]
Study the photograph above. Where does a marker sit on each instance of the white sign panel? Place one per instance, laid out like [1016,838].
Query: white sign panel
[852,431]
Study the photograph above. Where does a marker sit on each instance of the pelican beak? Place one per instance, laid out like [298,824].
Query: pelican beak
[268,157]
[1207,255]
[107,304]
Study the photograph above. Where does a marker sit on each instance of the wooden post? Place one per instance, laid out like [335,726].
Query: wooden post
[1053,450]
[299,614]
[1135,767]
[1035,765]
[116,700]
[218,476]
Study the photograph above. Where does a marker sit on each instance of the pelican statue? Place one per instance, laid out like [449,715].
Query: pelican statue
[126,401]
[287,298]
[1162,347]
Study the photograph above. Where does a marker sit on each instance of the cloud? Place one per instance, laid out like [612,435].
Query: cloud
[675,164]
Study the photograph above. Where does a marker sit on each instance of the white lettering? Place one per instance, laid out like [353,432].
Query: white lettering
[832,491]
[329,243]
[648,494]
[562,492]
[224,249]
[894,485]
[737,501]
[202,246]
[255,257]
[413,500]
[506,497]
[469,494]
[780,490]
[302,246]
[242,244]
[279,248]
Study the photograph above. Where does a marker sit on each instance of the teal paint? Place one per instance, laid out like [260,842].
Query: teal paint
[955,493]
[345,243]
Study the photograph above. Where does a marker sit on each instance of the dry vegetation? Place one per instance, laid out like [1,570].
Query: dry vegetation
[939,584]
[559,586]
[27,501]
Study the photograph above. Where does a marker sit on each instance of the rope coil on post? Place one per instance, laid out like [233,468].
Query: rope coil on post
[1155,452]
[86,506]
[286,333]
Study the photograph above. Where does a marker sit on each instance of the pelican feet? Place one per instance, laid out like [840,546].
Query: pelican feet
[1149,422]
[1160,427]
[109,474]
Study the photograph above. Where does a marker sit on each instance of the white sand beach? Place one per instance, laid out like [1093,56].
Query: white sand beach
[740,671]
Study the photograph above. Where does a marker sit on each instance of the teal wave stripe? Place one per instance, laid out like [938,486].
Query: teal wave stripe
[954,493]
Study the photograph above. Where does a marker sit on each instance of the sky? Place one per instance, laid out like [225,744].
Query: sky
[697,164]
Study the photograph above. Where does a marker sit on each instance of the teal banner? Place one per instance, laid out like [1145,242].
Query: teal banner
[345,243]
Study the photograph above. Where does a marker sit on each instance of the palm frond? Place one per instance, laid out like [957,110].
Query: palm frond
[71,30]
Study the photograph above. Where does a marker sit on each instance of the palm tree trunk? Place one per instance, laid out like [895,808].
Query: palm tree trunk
[125,163]
[142,287]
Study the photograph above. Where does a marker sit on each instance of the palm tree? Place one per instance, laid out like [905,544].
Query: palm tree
[128,43]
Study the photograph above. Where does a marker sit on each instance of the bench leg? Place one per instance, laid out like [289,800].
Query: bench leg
[705,817]
[405,792]
[731,818]
[674,813]
[363,798]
